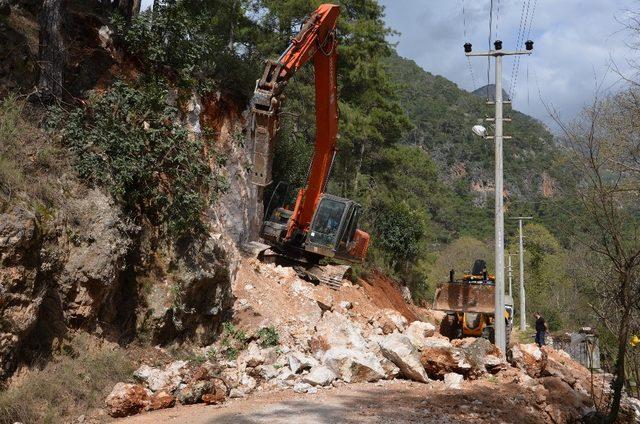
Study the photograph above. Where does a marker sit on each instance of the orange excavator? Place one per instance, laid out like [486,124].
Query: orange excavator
[319,225]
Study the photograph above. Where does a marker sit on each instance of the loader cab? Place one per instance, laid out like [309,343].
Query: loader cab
[334,229]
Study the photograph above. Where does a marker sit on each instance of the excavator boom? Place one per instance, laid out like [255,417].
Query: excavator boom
[320,225]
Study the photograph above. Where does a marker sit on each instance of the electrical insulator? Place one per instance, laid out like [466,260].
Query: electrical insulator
[467,47]
[528,45]
[498,44]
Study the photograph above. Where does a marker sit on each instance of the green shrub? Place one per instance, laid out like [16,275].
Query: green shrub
[268,336]
[233,340]
[129,140]
[10,110]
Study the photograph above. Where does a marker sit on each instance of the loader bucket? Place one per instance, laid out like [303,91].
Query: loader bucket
[464,297]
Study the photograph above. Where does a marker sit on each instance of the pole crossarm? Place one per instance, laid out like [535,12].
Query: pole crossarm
[496,53]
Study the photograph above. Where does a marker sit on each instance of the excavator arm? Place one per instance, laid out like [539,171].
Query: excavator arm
[319,224]
[316,40]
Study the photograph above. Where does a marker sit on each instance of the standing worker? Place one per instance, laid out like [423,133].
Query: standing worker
[541,329]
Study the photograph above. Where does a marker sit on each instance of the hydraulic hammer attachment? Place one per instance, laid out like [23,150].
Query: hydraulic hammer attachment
[264,125]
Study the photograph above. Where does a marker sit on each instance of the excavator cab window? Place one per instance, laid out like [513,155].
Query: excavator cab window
[326,225]
[353,216]
[283,196]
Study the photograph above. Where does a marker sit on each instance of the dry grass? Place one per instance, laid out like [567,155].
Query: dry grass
[31,163]
[73,383]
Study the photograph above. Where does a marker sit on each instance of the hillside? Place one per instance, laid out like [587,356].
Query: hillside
[443,114]
[489,92]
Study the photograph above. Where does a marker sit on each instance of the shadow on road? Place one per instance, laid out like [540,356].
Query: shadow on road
[417,404]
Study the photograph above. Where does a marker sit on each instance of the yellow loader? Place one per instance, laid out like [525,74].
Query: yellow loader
[469,304]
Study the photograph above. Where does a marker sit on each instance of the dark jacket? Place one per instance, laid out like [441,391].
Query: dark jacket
[541,325]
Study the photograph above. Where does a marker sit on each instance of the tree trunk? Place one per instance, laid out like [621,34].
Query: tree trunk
[358,168]
[232,24]
[623,337]
[128,8]
[51,50]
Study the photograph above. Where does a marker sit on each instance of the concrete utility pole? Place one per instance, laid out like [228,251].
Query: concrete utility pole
[510,269]
[498,53]
[523,304]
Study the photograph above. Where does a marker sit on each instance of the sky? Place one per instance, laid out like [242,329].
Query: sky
[576,42]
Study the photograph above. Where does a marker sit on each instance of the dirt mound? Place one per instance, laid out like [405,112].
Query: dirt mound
[387,293]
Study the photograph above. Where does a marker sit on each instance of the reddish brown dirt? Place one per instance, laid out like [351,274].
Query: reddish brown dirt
[386,293]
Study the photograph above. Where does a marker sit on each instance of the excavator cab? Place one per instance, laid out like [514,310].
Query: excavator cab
[333,232]
[334,229]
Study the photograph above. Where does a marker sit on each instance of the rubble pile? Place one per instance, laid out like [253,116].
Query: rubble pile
[329,338]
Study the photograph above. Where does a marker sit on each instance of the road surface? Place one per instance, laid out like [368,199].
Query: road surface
[392,402]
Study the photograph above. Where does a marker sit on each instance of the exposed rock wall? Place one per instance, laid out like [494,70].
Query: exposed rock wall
[85,265]
[59,272]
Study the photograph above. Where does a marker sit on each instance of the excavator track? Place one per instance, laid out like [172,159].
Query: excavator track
[331,276]
[328,275]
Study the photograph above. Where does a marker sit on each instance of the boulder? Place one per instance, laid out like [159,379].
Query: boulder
[353,366]
[286,375]
[267,372]
[564,404]
[481,354]
[337,331]
[398,320]
[213,398]
[301,387]
[389,321]
[218,394]
[439,357]
[453,380]
[390,369]
[157,379]
[248,383]
[495,364]
[161,400]
[320,376]
[398,349]
[126,399]
[560,364]
[529,358]
[299,362]
[251,356]
[192,392]
[236,394]
[418,332]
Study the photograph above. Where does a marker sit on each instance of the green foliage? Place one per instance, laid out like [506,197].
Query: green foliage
[233,340]
[207,44]
[129,140]
[268,336]
[399,229]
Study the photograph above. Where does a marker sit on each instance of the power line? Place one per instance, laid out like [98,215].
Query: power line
[528,31]
[489,43]
[464,25]
[524,16]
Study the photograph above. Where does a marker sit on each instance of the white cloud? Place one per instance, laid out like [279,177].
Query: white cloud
[574,40]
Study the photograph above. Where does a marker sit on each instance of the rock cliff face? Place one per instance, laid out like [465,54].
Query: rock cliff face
[60,272]
[85,265]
